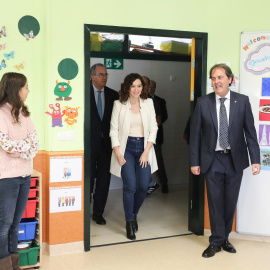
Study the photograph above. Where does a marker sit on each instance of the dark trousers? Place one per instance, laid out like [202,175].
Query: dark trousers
[13,198]
[161,167]
[100,177]
[223,185]
[161,172]
[135,178]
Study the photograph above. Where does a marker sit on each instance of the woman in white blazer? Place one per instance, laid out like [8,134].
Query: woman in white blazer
[133,133]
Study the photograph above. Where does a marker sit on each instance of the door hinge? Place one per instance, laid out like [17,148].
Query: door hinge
[190,204]
[193,63]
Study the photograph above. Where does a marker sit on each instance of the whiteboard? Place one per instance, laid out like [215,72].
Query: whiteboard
[253,215]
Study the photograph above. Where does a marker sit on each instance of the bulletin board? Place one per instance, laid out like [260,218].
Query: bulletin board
[253,215]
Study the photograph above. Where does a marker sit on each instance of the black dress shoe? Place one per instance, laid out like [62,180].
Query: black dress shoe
[130,231]
[227,246]
[165,188]
[211,251]
[135,224]
[99,219]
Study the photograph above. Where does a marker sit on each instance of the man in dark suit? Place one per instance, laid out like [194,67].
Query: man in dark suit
[162,116]
[102,99]
[222,131]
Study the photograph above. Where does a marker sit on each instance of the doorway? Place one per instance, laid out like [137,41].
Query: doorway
[196,191]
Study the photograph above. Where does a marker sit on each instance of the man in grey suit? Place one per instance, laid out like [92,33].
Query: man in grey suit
[222,131]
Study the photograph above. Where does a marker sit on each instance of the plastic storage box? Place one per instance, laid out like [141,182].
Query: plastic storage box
[32,192]
[30,210]
[112,46]
[95,42]
[175,47]
[27,229]
[33,182]
[29,256]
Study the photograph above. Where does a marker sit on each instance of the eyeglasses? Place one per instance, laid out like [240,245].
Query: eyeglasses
[102,75]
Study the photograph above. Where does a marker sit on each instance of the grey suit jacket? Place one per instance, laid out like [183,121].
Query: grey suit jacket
[242,133]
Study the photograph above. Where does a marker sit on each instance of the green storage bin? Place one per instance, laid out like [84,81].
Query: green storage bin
[29,256]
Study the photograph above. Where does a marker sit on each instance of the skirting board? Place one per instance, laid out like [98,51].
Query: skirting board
[68,248]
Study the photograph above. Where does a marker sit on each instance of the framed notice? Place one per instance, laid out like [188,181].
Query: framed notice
[65,199]
[65,169]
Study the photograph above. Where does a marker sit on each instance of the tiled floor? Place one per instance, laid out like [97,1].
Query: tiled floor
[161,215]
[183,252]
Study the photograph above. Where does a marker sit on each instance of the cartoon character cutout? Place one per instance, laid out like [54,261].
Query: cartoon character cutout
[3,64]
[56,115]
[9,55]
[19,66]
[63,90]
[3,32]
[2,46]
[29,36]
[59,201]
[71,115]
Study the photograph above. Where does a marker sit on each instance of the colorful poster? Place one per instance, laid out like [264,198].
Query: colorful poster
[265,159]
[65,169]
[265,87]
[65,199]
[264,135]
[264,110]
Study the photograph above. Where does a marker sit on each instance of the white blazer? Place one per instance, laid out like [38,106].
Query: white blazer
[120,126]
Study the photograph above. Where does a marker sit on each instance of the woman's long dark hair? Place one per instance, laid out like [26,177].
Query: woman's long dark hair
[125,87]
[10,85]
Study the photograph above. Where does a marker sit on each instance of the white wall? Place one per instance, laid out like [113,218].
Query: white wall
[176,94]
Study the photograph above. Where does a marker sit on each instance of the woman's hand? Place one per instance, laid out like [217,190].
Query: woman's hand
[121,160]
[13,155]
[144,160]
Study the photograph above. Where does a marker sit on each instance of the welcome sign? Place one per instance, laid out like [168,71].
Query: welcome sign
[258,61]
[253,215]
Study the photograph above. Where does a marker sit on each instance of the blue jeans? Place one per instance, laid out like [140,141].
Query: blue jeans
[135,178]
[13,199]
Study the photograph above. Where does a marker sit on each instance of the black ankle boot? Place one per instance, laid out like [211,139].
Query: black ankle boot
[130,231]
[135,224]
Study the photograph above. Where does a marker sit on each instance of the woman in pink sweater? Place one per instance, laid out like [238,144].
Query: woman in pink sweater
[18,145]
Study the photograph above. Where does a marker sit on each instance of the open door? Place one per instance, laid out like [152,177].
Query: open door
[196,187]
[197,89]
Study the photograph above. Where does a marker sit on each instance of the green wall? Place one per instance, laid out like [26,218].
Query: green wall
[61,36]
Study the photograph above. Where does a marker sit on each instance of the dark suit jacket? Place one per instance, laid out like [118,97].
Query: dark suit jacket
[242,133]
[164,117]
[101,129]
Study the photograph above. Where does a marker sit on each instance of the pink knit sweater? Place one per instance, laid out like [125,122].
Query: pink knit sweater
[16,137]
